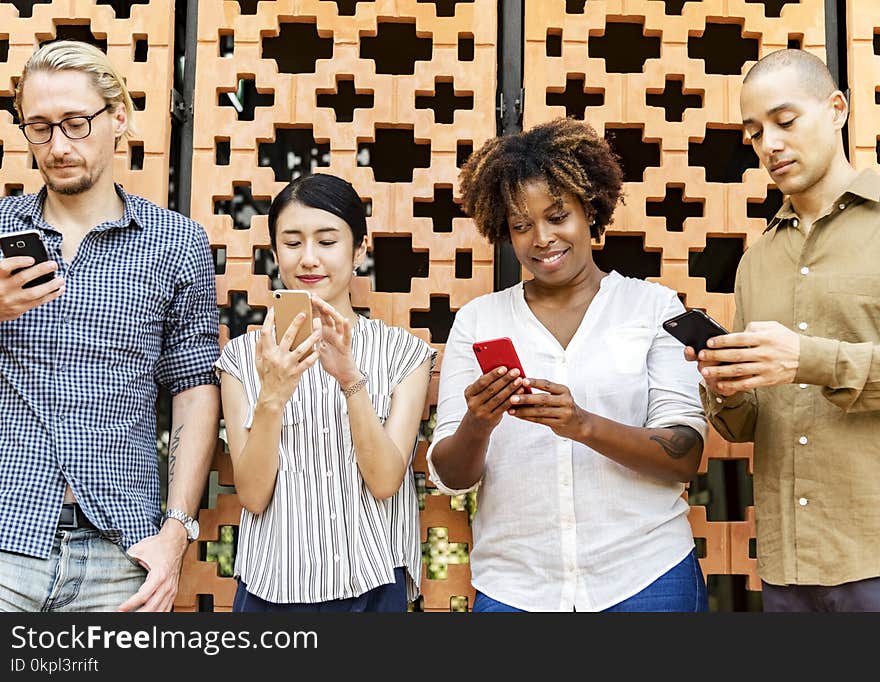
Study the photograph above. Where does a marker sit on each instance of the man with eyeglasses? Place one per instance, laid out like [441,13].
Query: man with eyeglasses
[131,307]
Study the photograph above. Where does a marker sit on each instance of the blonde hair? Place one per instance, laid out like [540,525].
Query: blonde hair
[74,55]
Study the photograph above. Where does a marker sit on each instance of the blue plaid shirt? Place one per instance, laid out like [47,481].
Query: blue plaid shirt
[79,376]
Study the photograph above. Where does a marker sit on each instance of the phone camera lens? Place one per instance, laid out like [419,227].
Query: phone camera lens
[19,244]
[673,324]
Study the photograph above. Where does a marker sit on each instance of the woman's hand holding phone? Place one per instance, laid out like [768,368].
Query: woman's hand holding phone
[488,398]
[335,346]
[281,365]
[554,408]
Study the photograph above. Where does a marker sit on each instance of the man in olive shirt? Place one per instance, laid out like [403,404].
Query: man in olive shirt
[801,372]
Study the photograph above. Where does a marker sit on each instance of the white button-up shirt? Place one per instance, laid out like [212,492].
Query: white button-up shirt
[558,525]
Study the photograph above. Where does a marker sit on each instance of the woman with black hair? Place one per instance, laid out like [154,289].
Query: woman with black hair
[580,503]
[322,434]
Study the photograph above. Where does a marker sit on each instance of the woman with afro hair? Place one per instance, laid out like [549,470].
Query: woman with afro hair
[580,479]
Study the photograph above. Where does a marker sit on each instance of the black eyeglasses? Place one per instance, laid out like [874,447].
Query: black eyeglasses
[73,127]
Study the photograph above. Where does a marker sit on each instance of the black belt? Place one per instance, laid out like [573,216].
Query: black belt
[72,516]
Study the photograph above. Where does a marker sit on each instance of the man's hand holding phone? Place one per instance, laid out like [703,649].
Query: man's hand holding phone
[764,354]
[27,277]
[15,298]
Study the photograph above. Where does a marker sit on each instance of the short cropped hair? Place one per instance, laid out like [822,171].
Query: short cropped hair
[75,55]
[565,153]
[813,72]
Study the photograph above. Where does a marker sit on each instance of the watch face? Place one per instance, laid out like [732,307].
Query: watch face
[194,534]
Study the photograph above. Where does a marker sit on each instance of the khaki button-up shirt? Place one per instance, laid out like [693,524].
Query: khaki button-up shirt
[817,441]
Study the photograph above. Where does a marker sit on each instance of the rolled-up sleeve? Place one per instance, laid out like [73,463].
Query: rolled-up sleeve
[458,371]
[191,344]
[673,397]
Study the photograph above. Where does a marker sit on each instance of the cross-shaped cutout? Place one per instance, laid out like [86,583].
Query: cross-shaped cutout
[717,263]
[639,47]
[674,7]
[674,99]
[122,10]
[26,8]
[444,101]
[245,99]
[242,207]
[408,48]
[395,263]
[773,8]
[438,319]
[765,209]
[345,100]
[445,8]
[441,211]
[675,208]
[7,105]
[627,255]
[576,97]
[239,314]
[723,48]
[394,155]
[80,32]
[294,152]
[348,8]
[723,154]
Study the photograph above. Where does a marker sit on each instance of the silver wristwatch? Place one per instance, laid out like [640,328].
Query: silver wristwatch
[191,525]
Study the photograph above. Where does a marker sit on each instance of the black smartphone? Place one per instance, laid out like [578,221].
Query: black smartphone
[26,243]
[694,328]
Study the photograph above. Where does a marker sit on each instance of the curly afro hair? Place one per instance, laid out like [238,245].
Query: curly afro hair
[565,153]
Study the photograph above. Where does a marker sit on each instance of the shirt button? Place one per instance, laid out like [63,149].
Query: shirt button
[795,222]
[802,326]
[335,557]
[328,473]
[802,440]
[842,206]
[332,517]
[324,390]
[805,270]
[719,399]
[325,430]
[803,501]
[802,385]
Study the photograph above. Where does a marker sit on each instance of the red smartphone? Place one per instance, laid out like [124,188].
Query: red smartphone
[494,353]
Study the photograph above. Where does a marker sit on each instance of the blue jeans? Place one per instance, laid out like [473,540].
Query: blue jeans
[390,598]
[681,589]
[84,572]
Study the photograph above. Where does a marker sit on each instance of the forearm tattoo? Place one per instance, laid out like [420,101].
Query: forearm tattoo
[681,442]
[172,452]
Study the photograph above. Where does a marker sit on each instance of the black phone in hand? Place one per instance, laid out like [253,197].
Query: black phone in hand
[694,328]
[26,243]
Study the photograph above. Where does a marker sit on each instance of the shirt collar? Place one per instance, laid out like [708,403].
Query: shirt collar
[32,209]
[866,185]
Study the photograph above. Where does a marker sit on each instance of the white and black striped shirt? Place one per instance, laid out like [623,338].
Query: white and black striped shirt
[324,536]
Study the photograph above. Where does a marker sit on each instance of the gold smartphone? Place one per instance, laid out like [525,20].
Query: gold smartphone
[288,304]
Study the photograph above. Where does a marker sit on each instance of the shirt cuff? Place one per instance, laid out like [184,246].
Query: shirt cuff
[435,478]
[713,403]
[817,361]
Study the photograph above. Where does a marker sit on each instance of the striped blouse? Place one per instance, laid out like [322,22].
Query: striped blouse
[324,536]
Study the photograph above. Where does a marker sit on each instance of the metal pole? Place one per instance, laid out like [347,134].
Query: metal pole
[189,87]
[510,99]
